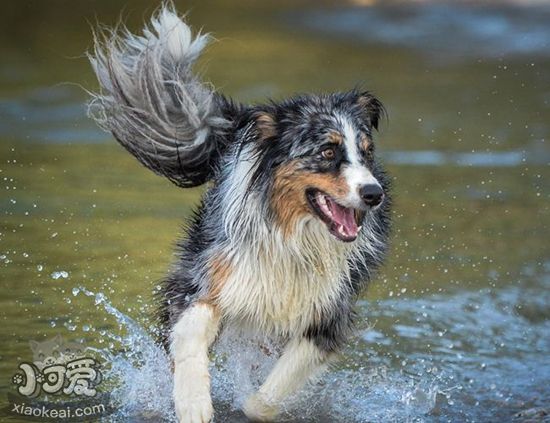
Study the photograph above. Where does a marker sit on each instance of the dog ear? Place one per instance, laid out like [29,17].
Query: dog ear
[372,107]
[265,124]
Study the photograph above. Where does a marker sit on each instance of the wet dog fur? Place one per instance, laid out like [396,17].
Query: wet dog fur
[293,223]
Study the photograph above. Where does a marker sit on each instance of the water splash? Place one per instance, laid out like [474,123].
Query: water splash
[138,370]
[61,274]
[468,357]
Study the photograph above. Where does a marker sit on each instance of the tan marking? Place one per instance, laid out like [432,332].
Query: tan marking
[364,100]
[289,200]
[365,142]
[219,272]
[266,126]
[335,137]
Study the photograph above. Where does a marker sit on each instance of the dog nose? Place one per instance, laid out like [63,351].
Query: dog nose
[371,194]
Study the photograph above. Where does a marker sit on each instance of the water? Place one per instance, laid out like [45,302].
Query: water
[455,327]
[51,115]
[58,115]
[468,356]
[444,30]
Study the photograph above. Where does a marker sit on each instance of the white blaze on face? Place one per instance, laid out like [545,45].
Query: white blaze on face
[355,173]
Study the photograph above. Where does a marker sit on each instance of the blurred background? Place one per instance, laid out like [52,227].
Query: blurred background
[455,328]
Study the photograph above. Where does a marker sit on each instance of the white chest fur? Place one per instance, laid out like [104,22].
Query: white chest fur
[281,286]
[275,284]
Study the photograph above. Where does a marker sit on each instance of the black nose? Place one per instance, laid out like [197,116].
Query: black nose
[371,194]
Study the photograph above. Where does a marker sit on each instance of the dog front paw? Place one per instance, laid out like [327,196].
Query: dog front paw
[258,409]
[194,409]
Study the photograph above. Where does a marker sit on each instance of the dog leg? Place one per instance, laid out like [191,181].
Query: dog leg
[300,360]
[195,330]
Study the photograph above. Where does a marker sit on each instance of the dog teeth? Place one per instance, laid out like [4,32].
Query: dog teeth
[322,200]
[359,228]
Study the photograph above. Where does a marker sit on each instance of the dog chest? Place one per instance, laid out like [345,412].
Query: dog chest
[280,293]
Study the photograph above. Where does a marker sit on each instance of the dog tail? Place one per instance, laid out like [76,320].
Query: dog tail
[154,105]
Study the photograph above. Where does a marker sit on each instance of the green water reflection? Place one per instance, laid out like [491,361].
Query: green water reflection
[92,211]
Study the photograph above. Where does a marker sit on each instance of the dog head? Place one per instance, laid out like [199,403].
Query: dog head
[316,159]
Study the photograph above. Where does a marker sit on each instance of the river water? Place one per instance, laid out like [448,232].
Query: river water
[455,327]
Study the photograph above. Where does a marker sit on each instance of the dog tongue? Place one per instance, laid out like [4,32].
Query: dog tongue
[344,217]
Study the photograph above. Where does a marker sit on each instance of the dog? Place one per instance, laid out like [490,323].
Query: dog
[294,222]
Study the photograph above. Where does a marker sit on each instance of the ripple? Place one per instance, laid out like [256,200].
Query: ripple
[440,30]
[467,356]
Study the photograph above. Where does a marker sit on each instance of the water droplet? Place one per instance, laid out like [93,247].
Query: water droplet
[60,274]
[99,298]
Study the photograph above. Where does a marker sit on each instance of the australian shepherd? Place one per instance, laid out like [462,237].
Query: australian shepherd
[293,223]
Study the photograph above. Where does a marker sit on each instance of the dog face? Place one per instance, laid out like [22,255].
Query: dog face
[319,155]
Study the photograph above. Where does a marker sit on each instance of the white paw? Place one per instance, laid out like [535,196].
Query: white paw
[196,409]
[258,409]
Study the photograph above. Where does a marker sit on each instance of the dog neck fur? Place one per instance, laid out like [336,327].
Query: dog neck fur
[280,284]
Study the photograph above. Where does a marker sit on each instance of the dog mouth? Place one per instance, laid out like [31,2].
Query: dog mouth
[342,222]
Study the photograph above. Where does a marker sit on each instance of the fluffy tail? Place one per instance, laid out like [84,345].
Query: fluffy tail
[154,105]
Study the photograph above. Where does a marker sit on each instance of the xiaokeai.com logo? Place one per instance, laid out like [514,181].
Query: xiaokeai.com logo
[61,383]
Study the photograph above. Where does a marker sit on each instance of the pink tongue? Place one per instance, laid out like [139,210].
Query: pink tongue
[344,217]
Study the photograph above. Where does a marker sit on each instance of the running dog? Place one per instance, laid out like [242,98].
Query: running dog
[293,223]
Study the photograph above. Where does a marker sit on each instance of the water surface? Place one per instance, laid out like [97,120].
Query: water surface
[455,327]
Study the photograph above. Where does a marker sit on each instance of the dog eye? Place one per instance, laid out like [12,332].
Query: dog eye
[328,153]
